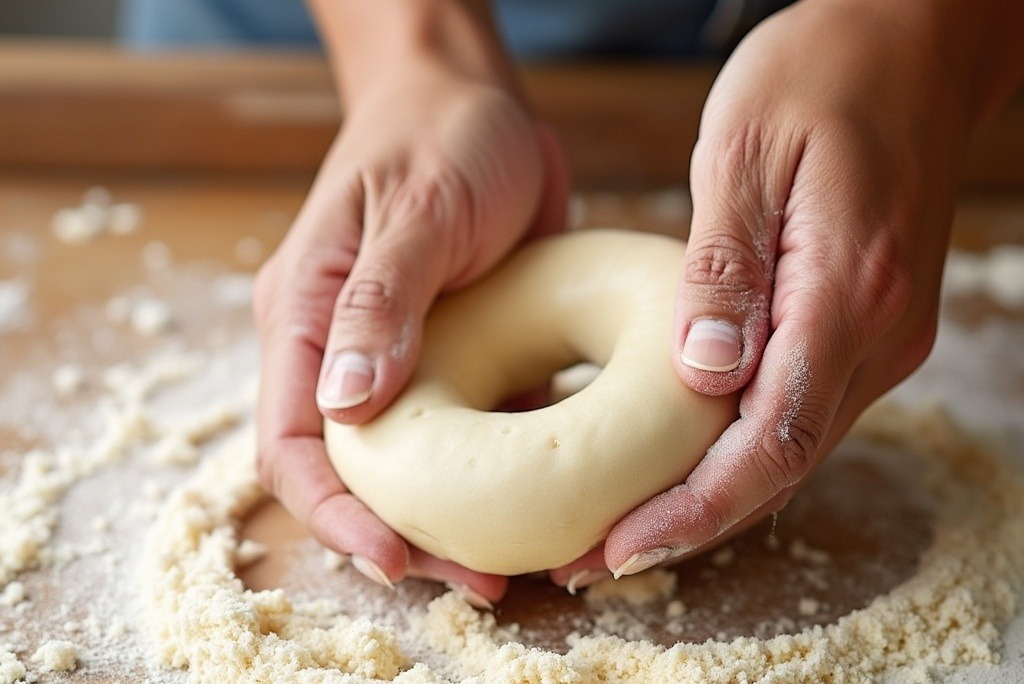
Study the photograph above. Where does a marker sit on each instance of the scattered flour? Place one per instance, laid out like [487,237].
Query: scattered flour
[68,380]
[13,594]
[998,273]
[97,214]
[14,297]
[151,317]
[635,590]
[11,669]
[56,656]
[198,619]
[948,613]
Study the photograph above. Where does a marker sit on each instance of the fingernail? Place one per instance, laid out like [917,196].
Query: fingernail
[470,596]
[712,345]
[371,571]
[584,578]
[639,562]
[347,382]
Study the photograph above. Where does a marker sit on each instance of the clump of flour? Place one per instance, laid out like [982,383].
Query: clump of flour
[948,613]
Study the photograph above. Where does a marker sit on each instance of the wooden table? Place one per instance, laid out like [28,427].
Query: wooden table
[220,148]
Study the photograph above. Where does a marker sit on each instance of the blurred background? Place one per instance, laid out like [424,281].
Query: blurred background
[68,18]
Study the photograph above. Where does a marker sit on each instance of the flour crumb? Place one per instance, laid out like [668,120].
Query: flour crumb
[57,656]
[997,274]
[13,594]
[233,290]
[334,560]
[11,669]
[97,214]
[174,449]
[808,606]
[249,552]
[675,609]
[79,225]
[151,317]
[800,550]
[68,380]
[118,309]
[14,297]
[723,557]
[635,590]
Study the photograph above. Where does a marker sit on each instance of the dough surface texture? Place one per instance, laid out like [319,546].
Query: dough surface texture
[511,493]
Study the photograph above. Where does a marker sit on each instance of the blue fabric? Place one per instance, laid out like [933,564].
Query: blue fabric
[531,28]
[155,24]
[559,28]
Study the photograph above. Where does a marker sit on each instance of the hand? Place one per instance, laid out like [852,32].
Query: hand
[823,184]
[433,178]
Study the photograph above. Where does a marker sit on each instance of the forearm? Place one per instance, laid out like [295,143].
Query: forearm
[367,40]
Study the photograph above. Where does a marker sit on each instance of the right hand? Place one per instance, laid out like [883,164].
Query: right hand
[434,177]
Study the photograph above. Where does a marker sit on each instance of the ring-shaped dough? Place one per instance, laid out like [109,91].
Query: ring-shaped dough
[510,493]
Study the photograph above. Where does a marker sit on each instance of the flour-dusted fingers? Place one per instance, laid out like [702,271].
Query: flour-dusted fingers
[582,572]
[377,323]
[292,461]
[480,590]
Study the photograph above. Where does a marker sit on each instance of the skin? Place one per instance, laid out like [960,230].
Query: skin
[823,184]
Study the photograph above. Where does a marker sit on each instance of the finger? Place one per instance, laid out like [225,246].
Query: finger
[552,213]
[785,413]
[479,589]
[582,572]
[377,325]
[291,456]
[722,307]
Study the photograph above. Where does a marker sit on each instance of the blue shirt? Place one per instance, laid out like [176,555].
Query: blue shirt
[532,29]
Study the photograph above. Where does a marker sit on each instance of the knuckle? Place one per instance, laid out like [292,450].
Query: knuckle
[724,262]
[732,150]
[888,280]
[368,298]
[788,453]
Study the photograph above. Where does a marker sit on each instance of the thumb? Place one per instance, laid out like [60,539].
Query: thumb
[377,325]
[722,312]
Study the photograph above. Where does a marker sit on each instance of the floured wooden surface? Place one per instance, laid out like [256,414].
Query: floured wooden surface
[858,531]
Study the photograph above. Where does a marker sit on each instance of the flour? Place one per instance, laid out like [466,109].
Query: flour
[14,298]
[56,656]
[72,573]
[998,273]
[11,669]
[948,613]
[95,215]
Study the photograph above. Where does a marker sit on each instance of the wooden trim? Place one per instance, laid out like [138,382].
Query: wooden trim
[81,106]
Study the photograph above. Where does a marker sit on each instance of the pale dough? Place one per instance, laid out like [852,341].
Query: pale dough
[511,493]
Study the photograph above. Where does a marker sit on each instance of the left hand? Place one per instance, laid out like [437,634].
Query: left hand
[823,185]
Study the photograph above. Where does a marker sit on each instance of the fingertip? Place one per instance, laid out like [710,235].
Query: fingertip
[346,381]
[718,356]
[480,590]
[713,345]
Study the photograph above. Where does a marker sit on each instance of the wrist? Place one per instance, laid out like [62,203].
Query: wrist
[972,49]
[370,42]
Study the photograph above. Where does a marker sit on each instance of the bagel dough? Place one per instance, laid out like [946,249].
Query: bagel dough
[511,493]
